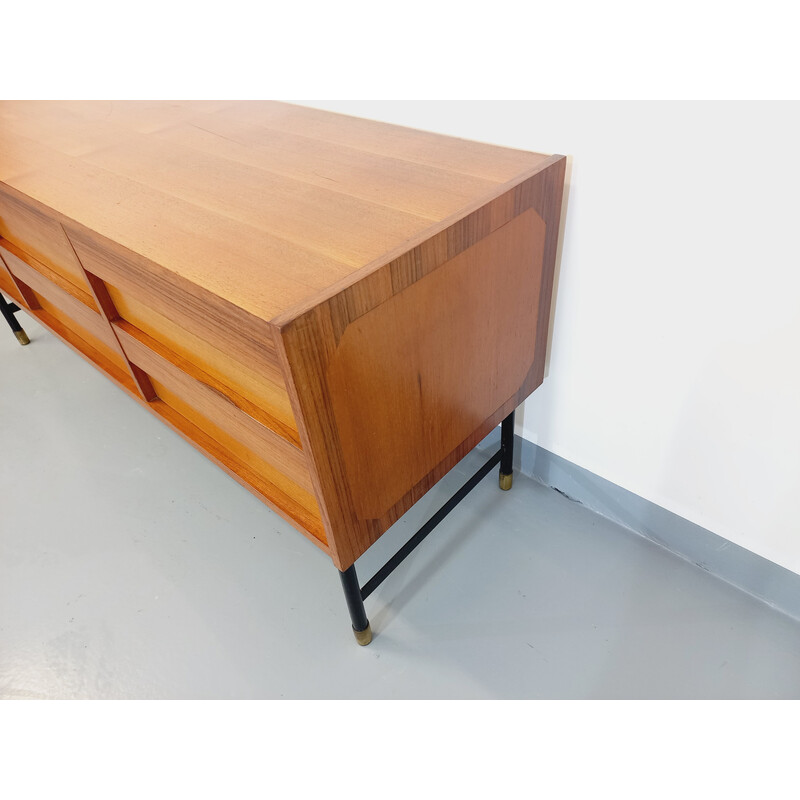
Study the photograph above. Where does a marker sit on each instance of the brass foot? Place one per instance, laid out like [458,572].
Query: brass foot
[506,480]
[22,337]
[363,637]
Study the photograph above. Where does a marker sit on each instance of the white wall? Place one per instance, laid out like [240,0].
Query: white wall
[674,358]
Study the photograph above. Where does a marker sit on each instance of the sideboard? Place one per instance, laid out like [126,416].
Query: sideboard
[334,310]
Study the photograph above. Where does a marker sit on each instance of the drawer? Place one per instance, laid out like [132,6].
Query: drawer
[237,413]
[102,344]
[20,263]
[7,286]
[177,305]
[71,307]
[265,396]
[204,399]
[27,226]
[265,463]
[237,417]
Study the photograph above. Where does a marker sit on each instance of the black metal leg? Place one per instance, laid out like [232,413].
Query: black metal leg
[355,605]
[356,595]
[8,310]
[507,452]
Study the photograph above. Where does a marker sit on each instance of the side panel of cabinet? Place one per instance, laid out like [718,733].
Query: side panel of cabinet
[398,377]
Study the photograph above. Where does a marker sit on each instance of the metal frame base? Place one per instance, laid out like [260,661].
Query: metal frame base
[8,310]
[355,595]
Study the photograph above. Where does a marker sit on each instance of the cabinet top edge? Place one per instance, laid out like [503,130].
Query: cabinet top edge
[291,315]
[290,203]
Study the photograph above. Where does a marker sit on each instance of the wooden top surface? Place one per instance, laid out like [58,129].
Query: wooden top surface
[266,204]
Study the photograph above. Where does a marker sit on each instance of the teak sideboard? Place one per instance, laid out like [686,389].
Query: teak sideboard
[334,310]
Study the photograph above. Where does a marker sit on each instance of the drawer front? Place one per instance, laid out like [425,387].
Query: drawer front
[70,308]
[266,399]
[203,399]
[205,367]
[7,285]
[81,312]
[197,311]
[280,477]
[99,344]
[39,235]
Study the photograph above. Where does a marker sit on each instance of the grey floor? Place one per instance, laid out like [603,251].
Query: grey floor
[131,567]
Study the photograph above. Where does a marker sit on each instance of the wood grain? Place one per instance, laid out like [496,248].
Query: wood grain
[432,150]
[345,229]
[238,456]
[93,334]
[63,305]
[424,191]
[7,283]
[86,317]
[333,310]
[221,408]
[35,232]
[194,309]
[12,286]
[399,329]
[86,347]
[261,385]
[433,361]
[377,281]
[305,518]
[110,314]
[14,253]
[177,205]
